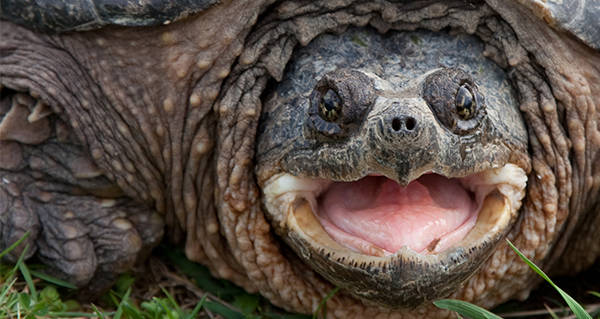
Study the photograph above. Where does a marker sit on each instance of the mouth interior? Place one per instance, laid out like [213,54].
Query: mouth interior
[376,214]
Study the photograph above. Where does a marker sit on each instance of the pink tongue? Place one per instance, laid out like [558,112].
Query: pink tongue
[376,210]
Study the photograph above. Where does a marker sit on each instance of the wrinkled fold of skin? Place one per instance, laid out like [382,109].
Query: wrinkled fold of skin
[185,100]
[392,196]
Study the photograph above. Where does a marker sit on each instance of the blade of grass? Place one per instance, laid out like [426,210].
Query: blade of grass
[52,280]
[13,271]
[286,316]
[27,276]
[100,315]
[71,314]
[132,312]
[13,299]
[6,289]
[14,245]
[171,300]
[551,312]
[594,293]
[465,309]
[119,311]
[322,309]
[574,305]
[222,310]
[194,312]
[113,297]
[165,307]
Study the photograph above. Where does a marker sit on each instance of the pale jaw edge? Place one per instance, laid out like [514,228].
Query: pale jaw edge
[291,201]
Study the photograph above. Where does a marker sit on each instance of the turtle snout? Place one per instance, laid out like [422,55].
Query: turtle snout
[402,121]
[401,140]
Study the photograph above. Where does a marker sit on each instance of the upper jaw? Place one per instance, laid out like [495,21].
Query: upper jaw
[402,278]
[399,136]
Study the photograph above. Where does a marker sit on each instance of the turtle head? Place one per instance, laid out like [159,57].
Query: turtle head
[358,124]
[393,182]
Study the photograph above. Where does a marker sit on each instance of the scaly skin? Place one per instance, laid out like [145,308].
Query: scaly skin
[169,115]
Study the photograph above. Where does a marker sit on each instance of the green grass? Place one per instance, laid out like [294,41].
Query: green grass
[26,292]
[472,311]
[28,299]
[32,294]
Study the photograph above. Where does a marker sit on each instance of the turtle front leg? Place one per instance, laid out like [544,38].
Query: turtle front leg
[78,222]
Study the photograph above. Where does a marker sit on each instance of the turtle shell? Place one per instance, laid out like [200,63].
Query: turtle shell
[578,17]
[581,18]
[76,15]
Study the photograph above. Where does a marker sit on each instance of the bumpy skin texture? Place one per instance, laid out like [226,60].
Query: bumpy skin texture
[79,222]
[174,127]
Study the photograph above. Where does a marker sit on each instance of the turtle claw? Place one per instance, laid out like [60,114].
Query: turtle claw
[77,222]
[82,239]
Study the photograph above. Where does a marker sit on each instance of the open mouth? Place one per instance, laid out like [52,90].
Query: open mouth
[394,245]
[375,216]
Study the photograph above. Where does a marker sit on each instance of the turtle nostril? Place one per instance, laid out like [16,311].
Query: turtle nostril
[396,124]
[410,123]
[406,124]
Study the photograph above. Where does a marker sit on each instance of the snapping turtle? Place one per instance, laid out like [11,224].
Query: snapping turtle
[386,148]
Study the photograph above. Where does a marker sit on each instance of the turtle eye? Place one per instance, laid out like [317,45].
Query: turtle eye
[338,104]
[455,100]
[465,102]
[330,106]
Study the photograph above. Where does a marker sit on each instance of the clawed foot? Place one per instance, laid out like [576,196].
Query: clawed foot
[78,222]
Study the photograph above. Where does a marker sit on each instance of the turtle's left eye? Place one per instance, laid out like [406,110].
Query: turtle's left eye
[465,102]
[330,106]
[455,100]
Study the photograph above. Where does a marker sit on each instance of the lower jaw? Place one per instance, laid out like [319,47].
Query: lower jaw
[404,278]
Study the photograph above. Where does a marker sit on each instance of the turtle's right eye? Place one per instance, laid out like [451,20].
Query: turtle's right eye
[325,111]
[338,104]
[330,106]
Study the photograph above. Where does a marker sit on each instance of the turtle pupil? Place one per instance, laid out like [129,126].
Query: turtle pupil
[465,104]
[330,106]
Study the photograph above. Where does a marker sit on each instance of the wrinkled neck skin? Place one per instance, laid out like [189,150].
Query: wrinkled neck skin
[171,113]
